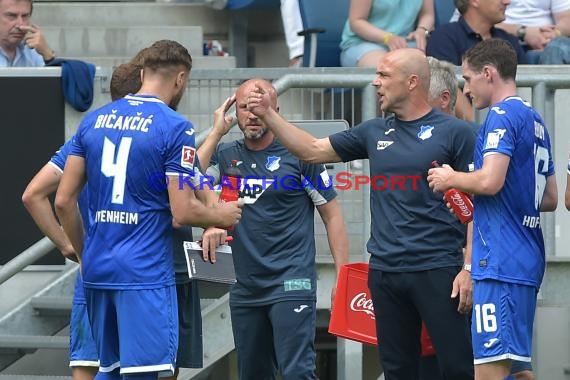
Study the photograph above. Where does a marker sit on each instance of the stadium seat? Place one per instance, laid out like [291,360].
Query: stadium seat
[252,4]
[323,22]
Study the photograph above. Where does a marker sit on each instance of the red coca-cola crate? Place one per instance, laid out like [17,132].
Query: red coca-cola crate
[352,314]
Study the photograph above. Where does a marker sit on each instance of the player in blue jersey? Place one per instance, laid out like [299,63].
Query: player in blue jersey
[83,357]
[417,267]
[126,80]
[273,303]
[513,182]
[126,258]
[442,95]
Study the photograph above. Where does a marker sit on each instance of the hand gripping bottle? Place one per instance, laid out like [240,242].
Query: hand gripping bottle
[230,184]
[460,202]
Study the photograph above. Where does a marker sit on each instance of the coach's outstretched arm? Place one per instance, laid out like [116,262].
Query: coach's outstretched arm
[300,143]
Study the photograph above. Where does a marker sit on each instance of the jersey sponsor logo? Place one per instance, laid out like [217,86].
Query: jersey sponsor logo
[494,137]
[190,132]
[498,110]
[361,304]
[490,342]
[383,144]
[297,284]
[389,131]
[425,132]
[300,308]
[252,188]
[272,163]
[188,156]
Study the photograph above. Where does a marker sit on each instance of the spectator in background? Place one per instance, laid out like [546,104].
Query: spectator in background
[375,27]
[292,24]
[542,27]
[273,303]
[449,41]
[442,94]
[22,44]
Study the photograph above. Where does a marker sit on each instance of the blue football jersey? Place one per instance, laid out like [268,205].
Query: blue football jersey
[127,145]
[507,242]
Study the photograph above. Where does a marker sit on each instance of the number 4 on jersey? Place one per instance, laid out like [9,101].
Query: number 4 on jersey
[116,168]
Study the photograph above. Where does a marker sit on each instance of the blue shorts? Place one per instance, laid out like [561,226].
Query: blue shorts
[350,56]
[135,330]
[189,326]
[503,316]
[279,335]
[82,349]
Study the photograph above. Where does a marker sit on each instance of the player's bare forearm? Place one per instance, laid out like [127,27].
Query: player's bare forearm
[36,201]
[299,142]
[70,219]
[70,186]
[550,197]
[336,232]
[188,210]
[207,148]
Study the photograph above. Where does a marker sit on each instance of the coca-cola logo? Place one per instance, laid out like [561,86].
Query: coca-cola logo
[362,304]
[458,200]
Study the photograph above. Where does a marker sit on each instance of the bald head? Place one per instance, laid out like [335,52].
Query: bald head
[411,62]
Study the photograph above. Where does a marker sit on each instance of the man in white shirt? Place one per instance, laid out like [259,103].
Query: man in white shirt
[543,28]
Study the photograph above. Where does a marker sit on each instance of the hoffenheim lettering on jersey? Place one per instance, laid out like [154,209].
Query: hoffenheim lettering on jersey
[122,217]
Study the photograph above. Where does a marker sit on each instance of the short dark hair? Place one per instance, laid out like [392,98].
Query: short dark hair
[461,5]
[495,52]
[126,79]
[166,56]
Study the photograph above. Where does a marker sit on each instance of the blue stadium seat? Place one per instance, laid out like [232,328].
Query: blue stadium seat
[323,21]
[252,4]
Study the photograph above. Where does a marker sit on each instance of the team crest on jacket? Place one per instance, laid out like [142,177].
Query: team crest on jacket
[425,132]
[272,163]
